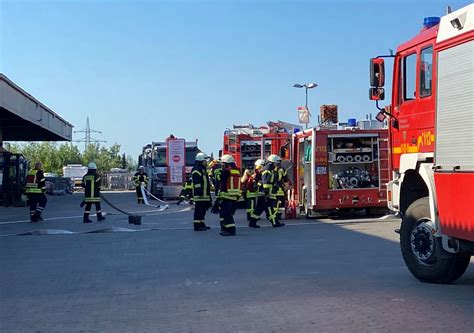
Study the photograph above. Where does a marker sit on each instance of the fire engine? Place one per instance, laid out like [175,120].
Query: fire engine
[247,143]
[431,135]
[168,165]
[339,168]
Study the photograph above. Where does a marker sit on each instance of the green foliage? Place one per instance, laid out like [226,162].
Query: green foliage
[54,156]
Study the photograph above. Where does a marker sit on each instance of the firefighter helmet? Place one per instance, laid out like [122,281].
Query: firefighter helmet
[274,158]
[201,157]
[141,167]
[259,163]
[92,166]
[227,159]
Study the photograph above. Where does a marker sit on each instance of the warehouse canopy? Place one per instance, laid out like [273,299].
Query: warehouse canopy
[24,118]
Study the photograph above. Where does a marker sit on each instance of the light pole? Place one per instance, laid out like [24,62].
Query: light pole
[306,86]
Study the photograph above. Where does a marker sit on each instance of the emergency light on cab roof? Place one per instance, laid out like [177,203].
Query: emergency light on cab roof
[430,22]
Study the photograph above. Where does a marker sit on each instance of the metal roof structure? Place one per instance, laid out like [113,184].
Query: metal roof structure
[24,118]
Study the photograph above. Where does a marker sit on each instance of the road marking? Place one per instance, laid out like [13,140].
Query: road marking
[110,214]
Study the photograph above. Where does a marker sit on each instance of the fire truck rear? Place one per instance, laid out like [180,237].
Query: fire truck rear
[247,143]
[340,168]
[432,138]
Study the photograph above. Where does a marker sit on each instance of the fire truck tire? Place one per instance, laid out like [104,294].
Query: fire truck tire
[418,246]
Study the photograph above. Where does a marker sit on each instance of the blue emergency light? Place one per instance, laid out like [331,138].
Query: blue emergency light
[429,22]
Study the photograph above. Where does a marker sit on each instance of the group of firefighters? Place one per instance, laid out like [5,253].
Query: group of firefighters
[262,190]
[36,187]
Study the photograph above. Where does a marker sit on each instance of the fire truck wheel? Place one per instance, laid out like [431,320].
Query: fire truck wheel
[419,247]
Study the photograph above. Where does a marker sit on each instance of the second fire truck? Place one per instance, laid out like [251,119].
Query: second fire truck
[431,128]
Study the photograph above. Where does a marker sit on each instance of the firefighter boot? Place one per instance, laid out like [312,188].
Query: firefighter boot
[100,217]
[33,217]
[228,232]
[86,218]
[198,226]
[253,223]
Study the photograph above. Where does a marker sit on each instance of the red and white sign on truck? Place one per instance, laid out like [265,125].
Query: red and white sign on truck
[431,128]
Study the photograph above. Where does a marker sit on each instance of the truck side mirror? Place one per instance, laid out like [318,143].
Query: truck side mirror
[377,72]
[381,116]
[376,94]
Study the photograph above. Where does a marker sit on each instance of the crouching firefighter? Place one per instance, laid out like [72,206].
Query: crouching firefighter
[186,192]
[91,183]
[201,192]
[229,194]
[140,178]
[35,188]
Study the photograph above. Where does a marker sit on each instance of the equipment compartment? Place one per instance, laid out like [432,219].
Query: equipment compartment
[353,162]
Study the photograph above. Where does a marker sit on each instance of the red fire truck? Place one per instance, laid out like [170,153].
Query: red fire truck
[340,168]
[247,143]
[431,129]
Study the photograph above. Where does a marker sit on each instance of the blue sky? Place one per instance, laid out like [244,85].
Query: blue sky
[144,69]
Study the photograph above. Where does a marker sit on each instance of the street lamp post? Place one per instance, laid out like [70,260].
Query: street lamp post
[306,86]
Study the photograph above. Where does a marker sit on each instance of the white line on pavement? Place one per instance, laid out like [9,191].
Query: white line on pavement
[80,216]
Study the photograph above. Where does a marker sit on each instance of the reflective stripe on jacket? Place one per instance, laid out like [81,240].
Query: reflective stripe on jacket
[200,185]
[139,178]
[91,183]
[230,184]
[35,182]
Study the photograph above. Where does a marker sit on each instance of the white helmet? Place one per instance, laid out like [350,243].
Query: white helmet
[274,158]
[260,162]
[227,159]
[141,167]
[92,166]
[201,157]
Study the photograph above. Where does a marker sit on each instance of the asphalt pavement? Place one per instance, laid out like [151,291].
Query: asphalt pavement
[332,275]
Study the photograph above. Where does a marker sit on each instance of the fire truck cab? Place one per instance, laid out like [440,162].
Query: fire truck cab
[431,129]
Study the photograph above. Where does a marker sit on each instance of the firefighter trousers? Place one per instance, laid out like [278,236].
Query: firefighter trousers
[200,209]
[267,205]
[139,195]
[226,215]
[87,210]
[250,206]
[37,204]
[280,206]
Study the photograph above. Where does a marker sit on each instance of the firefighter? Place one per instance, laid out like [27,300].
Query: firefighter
[34,189]
[229,194]
[250,186]
[281,181]
[201,192]
[91,183]
[140,178]
[215,174]
[266,199]
[215,170]
[186,192]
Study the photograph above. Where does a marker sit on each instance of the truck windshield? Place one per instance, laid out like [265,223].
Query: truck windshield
[191,155]
[160,157]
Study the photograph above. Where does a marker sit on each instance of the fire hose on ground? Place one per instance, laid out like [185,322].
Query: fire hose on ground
[133,218]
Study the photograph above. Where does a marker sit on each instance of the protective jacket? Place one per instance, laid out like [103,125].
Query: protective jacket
[230,187]
[139,178]
[268,181]
[201,184]
[91,183]
[35,182]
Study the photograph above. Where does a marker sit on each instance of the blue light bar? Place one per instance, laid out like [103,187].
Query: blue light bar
[429,22]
